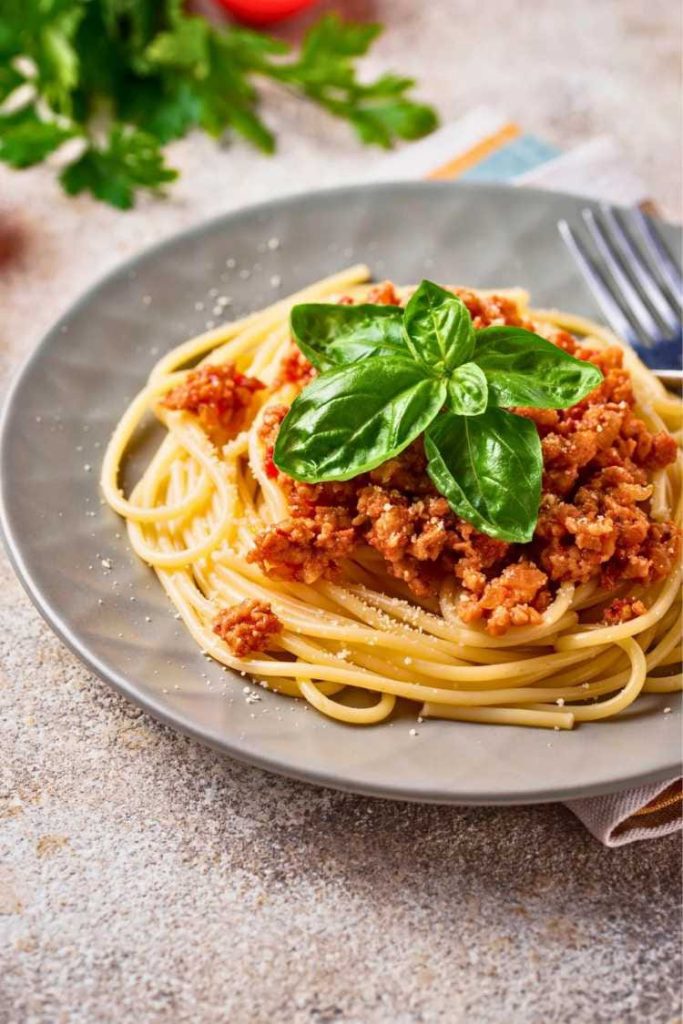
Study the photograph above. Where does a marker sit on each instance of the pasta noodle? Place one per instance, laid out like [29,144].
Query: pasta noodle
[354,646]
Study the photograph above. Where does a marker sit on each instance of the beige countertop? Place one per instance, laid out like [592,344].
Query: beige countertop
[144,878]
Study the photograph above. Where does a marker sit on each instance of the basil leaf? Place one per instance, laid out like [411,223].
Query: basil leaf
[332,335]
[489,468]
[353,418]
[524,369]
[468,392]
[439,327]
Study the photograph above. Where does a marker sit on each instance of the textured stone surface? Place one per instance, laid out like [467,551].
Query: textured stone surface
[145,878]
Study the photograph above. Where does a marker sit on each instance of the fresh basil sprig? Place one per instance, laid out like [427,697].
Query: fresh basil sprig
[388,375]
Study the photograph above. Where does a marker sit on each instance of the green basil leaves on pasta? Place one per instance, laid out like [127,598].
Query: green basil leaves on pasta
[468,390]
[489,467]
[439,328]
[353,418]
[387,376]
[334,335]
[524,369]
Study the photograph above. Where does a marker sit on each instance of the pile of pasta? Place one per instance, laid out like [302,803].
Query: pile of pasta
[354,646]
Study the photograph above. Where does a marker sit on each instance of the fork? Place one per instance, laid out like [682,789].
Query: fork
[636,282]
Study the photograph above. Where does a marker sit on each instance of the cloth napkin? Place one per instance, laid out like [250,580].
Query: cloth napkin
[485,146]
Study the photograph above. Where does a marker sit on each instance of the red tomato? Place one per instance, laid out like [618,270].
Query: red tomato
[263,12]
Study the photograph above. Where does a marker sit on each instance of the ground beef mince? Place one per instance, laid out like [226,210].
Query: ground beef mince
[623,609]
[294,369]
[247,627]
[218,396]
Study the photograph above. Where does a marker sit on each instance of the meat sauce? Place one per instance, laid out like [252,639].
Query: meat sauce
[593,522]
[218,396]
[247,627]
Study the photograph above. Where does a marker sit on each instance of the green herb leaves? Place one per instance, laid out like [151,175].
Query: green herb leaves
[128,160]
[26,139]
[439,328]
[468,390]
[489,467]
[338,335]
[523,369]
[380,111]
[388,375]
[352,419]
[106,70]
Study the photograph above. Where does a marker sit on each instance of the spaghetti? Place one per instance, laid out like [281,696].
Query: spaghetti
[353,644]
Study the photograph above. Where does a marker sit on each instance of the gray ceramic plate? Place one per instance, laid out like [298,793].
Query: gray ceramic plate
[71,392]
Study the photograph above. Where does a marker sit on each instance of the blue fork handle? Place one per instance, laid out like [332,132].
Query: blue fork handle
[665,355]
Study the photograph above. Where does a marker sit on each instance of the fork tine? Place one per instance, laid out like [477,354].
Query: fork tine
[598,285]
[659,253]
[639,311]
[633,259]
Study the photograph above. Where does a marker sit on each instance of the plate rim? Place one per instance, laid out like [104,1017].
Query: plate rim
[177,720]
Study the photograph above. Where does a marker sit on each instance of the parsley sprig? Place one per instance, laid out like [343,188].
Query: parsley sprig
[388,375]
[125,77]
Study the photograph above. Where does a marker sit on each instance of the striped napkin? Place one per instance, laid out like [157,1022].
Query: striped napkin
[485,146]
